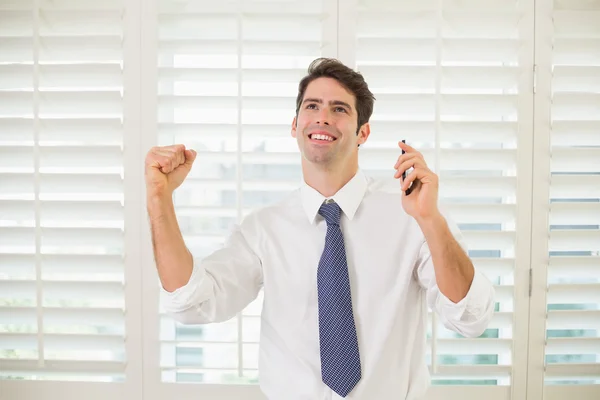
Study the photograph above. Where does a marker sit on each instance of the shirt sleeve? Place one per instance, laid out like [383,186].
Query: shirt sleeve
[471,315]
[221,285]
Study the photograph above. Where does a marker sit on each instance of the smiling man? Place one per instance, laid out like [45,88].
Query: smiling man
[348,267]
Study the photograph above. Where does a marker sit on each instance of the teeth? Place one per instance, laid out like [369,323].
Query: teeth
[322,137]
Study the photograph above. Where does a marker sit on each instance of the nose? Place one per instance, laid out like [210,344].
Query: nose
[323,116]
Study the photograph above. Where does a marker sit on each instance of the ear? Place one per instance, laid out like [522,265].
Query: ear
[294,125]
[364,133]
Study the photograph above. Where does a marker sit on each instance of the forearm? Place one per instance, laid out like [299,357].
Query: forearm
[453,269]
[174,262]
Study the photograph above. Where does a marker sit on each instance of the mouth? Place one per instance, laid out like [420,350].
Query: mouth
[321,137]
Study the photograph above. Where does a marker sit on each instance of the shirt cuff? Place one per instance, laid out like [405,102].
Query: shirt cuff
[181,298]
[471,306]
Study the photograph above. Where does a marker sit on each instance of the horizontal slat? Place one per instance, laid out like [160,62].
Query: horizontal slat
[492,132]
[64,290]
[62,131]
[494,266]
[64,237]
[576,51]
[411,79]
[16,23]
[63,104]
[78,76]
[575,106]
[577,23]
[482,213]
[504,293]
[64,316]
[254,27]
[81,22]
[18,185]
[171,75]
[584,266]
[53,22]
[573,319]
[69,342]
[489,187]
[574,293]
[574,240]
[74,266]
[87,5]
[69,213]
[576,79]
[579,370]
[575,133]
[394,24]
[191,46]
[575,186]
[85,48]
[474,107]
[230,212]
[569,159]
[74,157]
[575,213]
[198,132]
[464,132]
[80,367]
[560,392]
[472,346]
[464,51]
[234,7]
[580,345]
[470,372]
[62,49]
[80,268]
[489,240]
[576,5]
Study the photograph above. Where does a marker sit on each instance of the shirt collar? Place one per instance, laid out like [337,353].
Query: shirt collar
[348,197]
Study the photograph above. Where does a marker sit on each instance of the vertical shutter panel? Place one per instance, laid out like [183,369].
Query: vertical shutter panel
[449,78]
[61,194]
[228,78]
[572,348]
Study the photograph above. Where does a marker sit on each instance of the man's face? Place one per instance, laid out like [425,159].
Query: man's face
[326,124]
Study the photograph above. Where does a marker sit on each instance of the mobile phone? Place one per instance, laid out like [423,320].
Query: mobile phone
[408,190]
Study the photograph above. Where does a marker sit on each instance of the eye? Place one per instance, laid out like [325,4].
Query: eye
[311,106]
[340,109]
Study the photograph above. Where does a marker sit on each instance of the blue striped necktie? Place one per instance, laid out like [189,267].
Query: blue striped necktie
[340,359]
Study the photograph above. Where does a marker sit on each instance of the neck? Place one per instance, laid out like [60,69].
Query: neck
[328,180]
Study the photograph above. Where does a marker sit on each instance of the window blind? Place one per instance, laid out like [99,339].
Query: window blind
[450,77]
[572,345]
[227,80]
[61,195]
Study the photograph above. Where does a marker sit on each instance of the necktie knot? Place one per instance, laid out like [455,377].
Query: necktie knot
[331,212]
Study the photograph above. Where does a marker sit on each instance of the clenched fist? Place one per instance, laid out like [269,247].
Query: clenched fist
[166,168]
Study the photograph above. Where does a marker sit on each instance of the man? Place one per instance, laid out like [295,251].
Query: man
[347,266]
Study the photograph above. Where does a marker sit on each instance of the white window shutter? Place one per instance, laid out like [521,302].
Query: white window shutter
[566,291]
[453,79]
[62,298]
[228,75]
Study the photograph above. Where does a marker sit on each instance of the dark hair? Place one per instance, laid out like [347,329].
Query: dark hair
[351,80]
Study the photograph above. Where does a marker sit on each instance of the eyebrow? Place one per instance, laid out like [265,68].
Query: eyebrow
[332,102]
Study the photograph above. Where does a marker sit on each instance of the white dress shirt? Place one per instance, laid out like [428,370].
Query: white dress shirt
[392,282]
